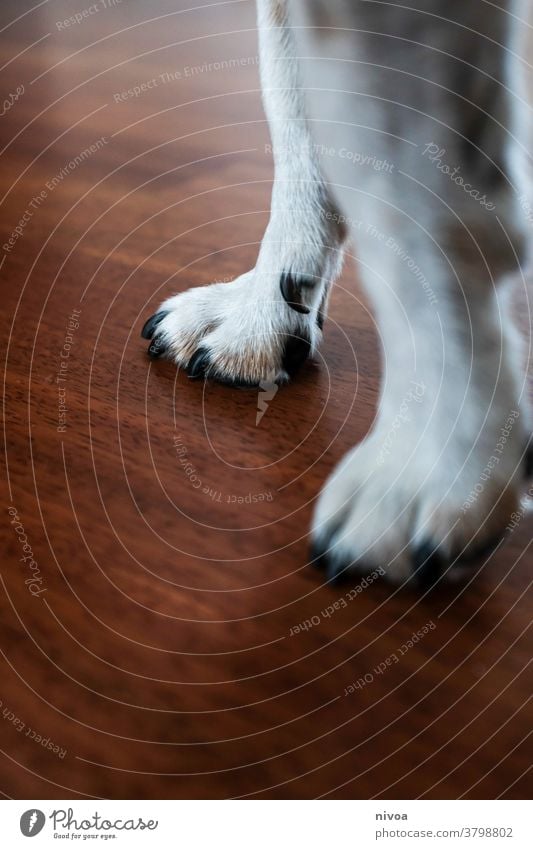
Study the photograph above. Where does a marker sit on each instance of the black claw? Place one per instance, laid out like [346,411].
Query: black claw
[198,364]
[318,554]
[149,327]
[296,352]
[337,571]
[322,559]
[157,348]
[481,551]
[529,461]
[234,382]
[428,565]
[291,291]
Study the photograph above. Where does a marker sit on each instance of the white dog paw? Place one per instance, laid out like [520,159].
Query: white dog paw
[239,333]
[421,512]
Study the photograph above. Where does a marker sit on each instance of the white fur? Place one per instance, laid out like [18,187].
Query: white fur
[460,343]
[245,325]
[429,485]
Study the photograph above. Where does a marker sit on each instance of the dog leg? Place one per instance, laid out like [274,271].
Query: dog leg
[443,468]
[266,322]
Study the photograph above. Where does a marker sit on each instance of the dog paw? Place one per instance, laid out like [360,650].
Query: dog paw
[421,512]
[258,327]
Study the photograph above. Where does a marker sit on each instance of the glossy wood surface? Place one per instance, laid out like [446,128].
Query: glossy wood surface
[169,531]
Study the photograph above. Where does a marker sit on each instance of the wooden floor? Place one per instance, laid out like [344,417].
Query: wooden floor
[146,636]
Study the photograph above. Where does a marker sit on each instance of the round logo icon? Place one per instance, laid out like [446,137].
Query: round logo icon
[32,822]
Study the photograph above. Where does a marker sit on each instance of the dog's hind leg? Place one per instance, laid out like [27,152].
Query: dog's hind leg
[262,325]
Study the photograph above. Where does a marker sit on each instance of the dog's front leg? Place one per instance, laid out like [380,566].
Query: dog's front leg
[263,324]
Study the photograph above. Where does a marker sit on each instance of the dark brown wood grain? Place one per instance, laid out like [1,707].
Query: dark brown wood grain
[158,654]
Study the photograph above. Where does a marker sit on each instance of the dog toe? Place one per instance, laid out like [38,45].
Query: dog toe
[198,364]
[428,565]
[150,326]
[157,348]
